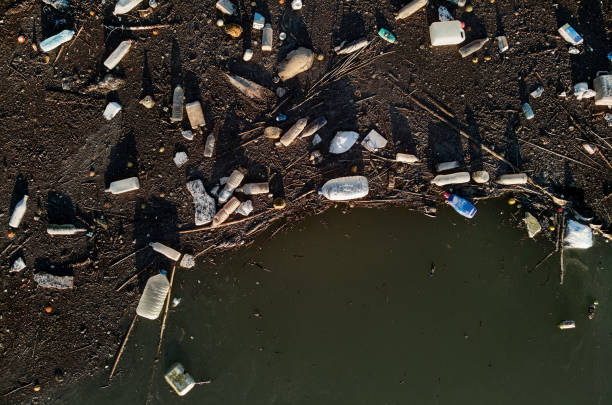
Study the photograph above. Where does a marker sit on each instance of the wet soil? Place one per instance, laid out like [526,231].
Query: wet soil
[58,148]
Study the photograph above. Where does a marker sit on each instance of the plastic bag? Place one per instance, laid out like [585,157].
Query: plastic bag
[577,235]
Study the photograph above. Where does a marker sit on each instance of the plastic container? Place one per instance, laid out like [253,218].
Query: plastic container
[165,250]
[406,158]
[226,7]
[527,111]
[602,85]
[18,212]
[123,186]
[111,110]
[352,47]
[195,114]
[153,297]
[228,209]
[472,47]
[461,205]
[343,141]
[502,43]
[345,188]
[56,40]
[245,208]
[455,178]
[443,33]
[179,380]
[266,38]
[293,132]
[313,127]
[570,35]
[247,55]
[177,104]
[234,181]
[410,9]
[209,148]
[510,179]
[66,229]
[259,21]
[204,204]
[115,57]
[125,6]
[254,188]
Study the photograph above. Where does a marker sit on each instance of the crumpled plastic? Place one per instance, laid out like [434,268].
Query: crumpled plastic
[204,204]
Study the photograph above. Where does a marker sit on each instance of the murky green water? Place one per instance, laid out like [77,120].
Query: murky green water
[350,315]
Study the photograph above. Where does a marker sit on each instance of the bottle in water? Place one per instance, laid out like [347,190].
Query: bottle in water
[177,104]
[461,205]
[345,188]
[153,297]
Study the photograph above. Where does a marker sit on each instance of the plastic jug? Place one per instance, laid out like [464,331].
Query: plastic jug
[153,297]
[18,212]
[56,40]
[446,33]
[345,188]
[461,205]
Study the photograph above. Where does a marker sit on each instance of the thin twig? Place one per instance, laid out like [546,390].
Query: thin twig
[17,389]
[125,339]
[128,256]
[543,260]
[137,28]
[562,277]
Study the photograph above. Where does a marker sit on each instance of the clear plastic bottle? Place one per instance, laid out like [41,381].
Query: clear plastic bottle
[293,132]
[254,188]
[345,188]
[209,148]
[18,212]
[125,6]
[166,251]
[266,38]
[410,9]
[227,210]
[177,104]
[234,181]
[115,57]
[472,47]
[153,297]
[56,40]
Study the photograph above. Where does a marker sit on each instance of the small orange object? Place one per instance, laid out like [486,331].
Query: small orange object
[21,39]
[154,32]
[91,13]
[48,309]
[281,1]
[11,234]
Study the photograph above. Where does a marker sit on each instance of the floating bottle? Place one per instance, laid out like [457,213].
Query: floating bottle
[153,297]
[472,47]
[165,250]
[64,229]
[56,40]
[461,205]
[115,57]
[410,9]
[345,188]
[228,209]
[266,38]
[18,212]
[234,181]
[293,132]
[254,188]
[123,186]
[177,104]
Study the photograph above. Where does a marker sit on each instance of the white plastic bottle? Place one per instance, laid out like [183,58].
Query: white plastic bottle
[123,186]
[234,181]
[209,148]
[266,38]
[293,132]
[455,178]
[56,40]
[345,188]
[153,297]
[227,210]
[115,57]
[64,229]
[166,250]
[177,104]
[410,8]
[511,179]
[254,188]
[18,212]
[125,6]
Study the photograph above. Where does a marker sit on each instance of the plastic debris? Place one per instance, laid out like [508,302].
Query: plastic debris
[46,280]
[281,117]
[537,92]
[345,188]
[352,47]
[180,381]
[592,310]
[123,186]
[316,140]
[296,4]
[167,251]
[527,111]
[455,178]
[56,40]
[459,3]
[228,209]
[180,158]
[204,204]
[18,212]
[282,36]
[315,157]
[502,43]
[187,134]
[410,9]
[445,166]
[259,21]
[511,179]
[188,261]
[387,35]
[481,176]
[313,127]
[232,183]
[343,141]
[177,104]
[590,149]
[245,208]
[608,118]
[406,158]
[115,57]
[293,132]
[374,141]
[254,188]
[57,4]
[154,296]
[570,35]
[106,85]
[577,235]
[125,6]
[176,301]
[226,7]
[147,102]
[195,114]
[64,229]
[443,33]
[272,132]
[209,148]
[472,47]
[17,265]
[602,85]
[247,55]
[573,50]
[460,205]
[533,226]
[567,325]
[267,38]
[582,91]
[111,110]
[444,14]
[296,62]
[249,88]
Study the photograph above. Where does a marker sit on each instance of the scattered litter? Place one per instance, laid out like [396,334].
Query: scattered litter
[154,296]
[480,176]
[123,186]
[374,141]
[180,381]
[18,212]
[259,21]
[567,325]
[228,209]
[247,55]
[115,57]
[527,111]
[245,208]
[46,280]
[511,179]
[313,127]
[603,89]
[56,40]
[175,302]
[111,110]
[233,30]
[460,205]
[590,149]
[573,50]
[577,235]
[533,226]
[106,85]
[455,178]
[148,102]
[272,132]
[387,35]
[165,250]
[296,62]
[177,104]
[445,166]
[502,43]
[281,117]
[209,147]
[17,265]
[254,188]
[406,158]
[446,33]
[316,140]
[195,114]
[125,6]
[188,261]
[187,134]
[444,14]
[296,4]
[537,92]
[608,118]
[266,38]
[204,204]
[233,181]
[293,132]
[226,7]
[592,310]
[282,36]
[315,157]
[180,158]
[64,229]
[410,9]
[472,47]
[345,188]
[343,141]
[248,88]
[570,35]
[352,47]
[582,91]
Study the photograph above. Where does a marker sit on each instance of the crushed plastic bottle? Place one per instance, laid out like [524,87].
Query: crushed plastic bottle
[343,141]
[313,127]
[111,110]
[204,204]
[177,104]
[56,40]
[153,297]
[345,188]
[195,114]
[461,205]
[209,148]
[374,141]
[537,92]
[18,212]
[292,133]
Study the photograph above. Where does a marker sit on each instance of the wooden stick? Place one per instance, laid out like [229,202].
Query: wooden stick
[67,45]
[562,276]
[444,110]
[556,154]
[134,276]
[137,28]
[125,339]
[17,389]
[128,256]
[543,260]
[210,227]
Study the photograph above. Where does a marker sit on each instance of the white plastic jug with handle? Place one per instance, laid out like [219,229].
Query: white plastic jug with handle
[446,33]
[153,297]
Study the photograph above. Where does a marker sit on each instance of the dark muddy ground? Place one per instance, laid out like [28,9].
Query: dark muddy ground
[54,138]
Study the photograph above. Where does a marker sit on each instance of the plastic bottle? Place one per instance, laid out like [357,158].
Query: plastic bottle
[461,205]
[56,40]
[510,179]
[225,6]
[234,181]
[602,84]
[502,43]
[209,148]
[259,21]
[153,297]
[527,111]
[254,188]
[293,132]
[195,114]
[410,8]
[345,188]
[123,186]
[66,229]
[472,47]
[111,110]
[567,325]
[455,178]
[459,3]
[266,38]
[115,57]
[342,142]
[227,210]
[406,158]
[352,47]
[177,104]
[166,251]
[313,127]
[444,166]
[446,33]
[18,212]
[125,6]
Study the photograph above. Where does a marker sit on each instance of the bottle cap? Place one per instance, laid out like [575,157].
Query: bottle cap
[446,195]
[162,272]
